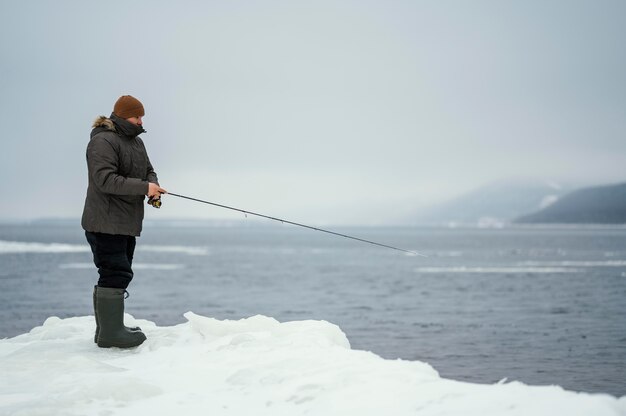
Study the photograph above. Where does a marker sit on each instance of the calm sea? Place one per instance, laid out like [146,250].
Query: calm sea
[538,305]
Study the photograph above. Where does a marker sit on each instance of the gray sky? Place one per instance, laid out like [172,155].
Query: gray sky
[325,111]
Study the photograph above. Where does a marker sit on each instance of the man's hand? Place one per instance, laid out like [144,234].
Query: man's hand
[155,191]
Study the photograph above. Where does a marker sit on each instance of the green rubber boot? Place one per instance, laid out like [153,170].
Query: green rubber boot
[110,312]
[95,312]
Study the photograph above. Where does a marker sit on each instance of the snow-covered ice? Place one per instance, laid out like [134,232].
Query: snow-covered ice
[9,247]
[137,266]
[253,366]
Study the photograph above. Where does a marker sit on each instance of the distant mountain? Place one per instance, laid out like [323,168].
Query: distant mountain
[494,204]
[593,205]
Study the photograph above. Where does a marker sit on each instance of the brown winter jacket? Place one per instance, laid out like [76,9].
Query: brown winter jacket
[119,172]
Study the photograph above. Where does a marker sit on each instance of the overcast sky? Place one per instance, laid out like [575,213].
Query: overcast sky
[319,111]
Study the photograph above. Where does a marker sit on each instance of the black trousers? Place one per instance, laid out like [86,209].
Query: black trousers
[113,256]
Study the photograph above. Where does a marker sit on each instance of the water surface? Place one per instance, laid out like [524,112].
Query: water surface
[538,305]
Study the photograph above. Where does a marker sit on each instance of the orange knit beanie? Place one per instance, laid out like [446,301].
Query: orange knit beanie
[128,106]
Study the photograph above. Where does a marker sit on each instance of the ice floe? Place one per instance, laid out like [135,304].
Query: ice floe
[253,366]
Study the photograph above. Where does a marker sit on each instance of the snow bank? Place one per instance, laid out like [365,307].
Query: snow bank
[254,366]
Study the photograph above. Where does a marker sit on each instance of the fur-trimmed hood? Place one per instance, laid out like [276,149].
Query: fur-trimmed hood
[103,121]
[117,125]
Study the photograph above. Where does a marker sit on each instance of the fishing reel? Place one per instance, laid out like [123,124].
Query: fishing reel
[155,202]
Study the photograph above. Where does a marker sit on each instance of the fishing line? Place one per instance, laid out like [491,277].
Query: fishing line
[297,224]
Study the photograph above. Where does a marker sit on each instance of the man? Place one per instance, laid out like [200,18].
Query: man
[120,175]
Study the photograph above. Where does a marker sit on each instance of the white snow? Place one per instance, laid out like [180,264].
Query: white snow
[7,247]
[548,200]
[577,263]
[253,366]
[138,266]
[11,247]
[499,270]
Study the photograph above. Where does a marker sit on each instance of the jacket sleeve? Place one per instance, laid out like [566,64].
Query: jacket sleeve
[151,174]
[102,162]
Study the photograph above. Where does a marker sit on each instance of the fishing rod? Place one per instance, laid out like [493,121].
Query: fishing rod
[415,253]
